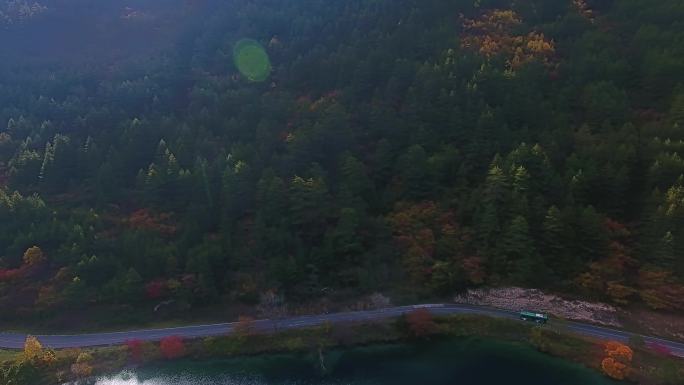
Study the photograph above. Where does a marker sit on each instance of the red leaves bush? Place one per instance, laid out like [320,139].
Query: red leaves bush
[155,289]
[135,349]
[172,347]
[9,274]
[420,323]
[145,219]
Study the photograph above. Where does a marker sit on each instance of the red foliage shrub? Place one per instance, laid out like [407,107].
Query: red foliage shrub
[144,219]
[9,274]
[421,323]
[172,347]
[155,289]
[135,349]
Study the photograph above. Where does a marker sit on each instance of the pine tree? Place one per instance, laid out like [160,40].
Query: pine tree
[488,228]
[677,111]
[497,189]
[58,163]
[48,160]
[518,247]
[592,239]
[383,160]
[310,205]
[25,167]
[521,187]
[665,252]
[347,248]
[271,198]
[238,190]
[132,288]
[553,245]
[202,183]
[346,238]
[355,186]
[417,181]
[90,157]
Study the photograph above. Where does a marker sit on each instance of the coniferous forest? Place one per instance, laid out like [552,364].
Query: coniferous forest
[412,147]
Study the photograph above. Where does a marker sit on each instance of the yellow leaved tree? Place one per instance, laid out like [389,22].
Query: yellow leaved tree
[33,349]
[33,255]
[83,365]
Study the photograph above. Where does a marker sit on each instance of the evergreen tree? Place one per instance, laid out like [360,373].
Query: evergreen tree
[416,179]
[271,198]
[497,188]
[554,246]
[677,111]
[238,190]
[521,187]
[592,239]
[59,165]
[665,252]
[310,206]
[521,257]
[347,248]
[355,186]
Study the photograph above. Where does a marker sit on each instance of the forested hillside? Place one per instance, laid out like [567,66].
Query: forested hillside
[412,147]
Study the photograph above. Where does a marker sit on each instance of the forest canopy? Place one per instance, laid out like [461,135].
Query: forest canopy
[416,147]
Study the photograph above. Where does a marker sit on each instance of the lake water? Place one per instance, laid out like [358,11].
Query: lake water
[453,362]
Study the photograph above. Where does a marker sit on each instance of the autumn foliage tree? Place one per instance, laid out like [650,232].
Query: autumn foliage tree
[421,323]
[608,275]
[618,360]
[493,34]
[135,349]
[660,290]
[155,289]
[172,347]
[244,326]
[33,349]
[36,354]
[33,255]
[83,365]
[432,243]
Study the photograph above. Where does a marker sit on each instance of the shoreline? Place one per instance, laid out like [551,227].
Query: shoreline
[649,368]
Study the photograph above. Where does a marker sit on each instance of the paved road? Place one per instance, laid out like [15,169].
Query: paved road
[16,340]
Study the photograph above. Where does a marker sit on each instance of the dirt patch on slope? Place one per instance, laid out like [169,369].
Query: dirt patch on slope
[516,299]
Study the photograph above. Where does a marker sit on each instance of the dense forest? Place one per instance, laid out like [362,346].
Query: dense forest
[410,147]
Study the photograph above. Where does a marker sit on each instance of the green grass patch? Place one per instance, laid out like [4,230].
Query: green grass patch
[8,355]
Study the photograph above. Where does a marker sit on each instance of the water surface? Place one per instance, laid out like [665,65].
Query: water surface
[462,362]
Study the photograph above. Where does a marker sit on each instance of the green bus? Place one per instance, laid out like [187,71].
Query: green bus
[532,316]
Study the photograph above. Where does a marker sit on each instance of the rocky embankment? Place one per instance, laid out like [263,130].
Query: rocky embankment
[516,299]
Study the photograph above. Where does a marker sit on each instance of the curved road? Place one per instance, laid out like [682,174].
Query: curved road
[16,340]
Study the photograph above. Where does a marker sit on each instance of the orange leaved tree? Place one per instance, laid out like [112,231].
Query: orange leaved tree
[618,360]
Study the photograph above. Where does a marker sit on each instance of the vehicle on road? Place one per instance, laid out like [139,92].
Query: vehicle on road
[532,316]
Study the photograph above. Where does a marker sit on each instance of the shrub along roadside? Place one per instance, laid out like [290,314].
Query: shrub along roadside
[648,366]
